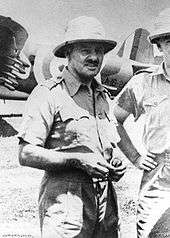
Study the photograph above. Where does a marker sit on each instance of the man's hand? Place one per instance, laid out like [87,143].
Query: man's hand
[118,171]
[95,165]
[146,162]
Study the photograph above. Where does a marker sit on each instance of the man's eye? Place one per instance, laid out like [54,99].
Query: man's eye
[168,42]
[85,51]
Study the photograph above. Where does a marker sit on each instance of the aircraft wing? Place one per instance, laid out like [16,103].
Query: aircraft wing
[7,94]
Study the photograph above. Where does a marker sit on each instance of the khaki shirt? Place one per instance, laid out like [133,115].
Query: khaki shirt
[149,93]
[62,114]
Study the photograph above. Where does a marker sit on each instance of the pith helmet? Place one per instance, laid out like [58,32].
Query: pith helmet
[84,29]
[161,26]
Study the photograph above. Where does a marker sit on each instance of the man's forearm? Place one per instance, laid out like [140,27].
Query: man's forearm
[126,145]
[46,159]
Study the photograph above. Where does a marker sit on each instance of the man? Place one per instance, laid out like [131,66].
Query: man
[149,93]
[66,132]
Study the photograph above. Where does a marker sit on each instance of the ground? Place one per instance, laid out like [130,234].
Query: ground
[20,186]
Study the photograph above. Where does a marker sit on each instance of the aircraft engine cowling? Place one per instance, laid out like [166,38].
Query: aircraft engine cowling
[13,69]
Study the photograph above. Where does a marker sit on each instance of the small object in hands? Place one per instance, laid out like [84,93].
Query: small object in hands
[117,174]
[106,175]
[116,162]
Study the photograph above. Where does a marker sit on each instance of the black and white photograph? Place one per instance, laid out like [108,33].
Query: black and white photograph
[85,118]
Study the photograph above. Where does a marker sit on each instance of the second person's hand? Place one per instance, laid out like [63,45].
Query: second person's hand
[146,162]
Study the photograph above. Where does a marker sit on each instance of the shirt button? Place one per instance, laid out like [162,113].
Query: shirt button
[155,103]
[100,114]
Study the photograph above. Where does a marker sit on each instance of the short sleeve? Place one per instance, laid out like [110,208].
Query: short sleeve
[131,97]
[38,116]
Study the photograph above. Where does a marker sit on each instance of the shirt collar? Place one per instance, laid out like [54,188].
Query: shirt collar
[73,84]
[161,71]
[158,70]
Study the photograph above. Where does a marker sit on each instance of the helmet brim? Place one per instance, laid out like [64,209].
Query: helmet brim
[154,37]
[60,50]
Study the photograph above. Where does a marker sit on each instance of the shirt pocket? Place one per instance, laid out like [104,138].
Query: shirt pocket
[157,111]
[77,126]
[68,114]
[67,127]
[154,103]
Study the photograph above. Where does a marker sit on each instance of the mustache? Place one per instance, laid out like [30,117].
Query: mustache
[93,62]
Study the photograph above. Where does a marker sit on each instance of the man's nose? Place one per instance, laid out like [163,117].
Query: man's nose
[93,55]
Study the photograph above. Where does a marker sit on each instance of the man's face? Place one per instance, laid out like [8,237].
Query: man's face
[165,49]
[85,59]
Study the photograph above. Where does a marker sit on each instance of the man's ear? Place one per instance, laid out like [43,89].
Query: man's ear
[159,46]
[68,52]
